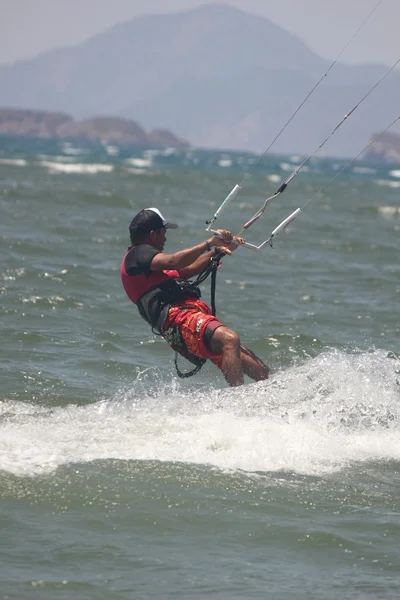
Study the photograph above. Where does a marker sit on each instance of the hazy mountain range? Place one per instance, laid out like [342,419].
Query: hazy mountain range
[215,76]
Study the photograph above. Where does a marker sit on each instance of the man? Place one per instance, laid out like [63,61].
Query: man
[157,283]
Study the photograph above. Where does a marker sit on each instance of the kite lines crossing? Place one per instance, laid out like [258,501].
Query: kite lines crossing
[237,188]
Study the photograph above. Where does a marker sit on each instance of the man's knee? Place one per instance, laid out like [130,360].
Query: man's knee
[224,338]
[231,338]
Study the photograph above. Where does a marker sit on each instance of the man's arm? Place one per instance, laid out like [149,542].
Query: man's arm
[198,266]
[186,257]
[201,263]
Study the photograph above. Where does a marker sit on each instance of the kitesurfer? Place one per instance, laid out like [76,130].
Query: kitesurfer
[158,284]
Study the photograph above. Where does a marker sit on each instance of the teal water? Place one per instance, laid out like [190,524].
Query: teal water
[119,480]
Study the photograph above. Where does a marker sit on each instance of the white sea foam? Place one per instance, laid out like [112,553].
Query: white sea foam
[169,151]
[388,183]
[395,173]
[284,166]
[151,152]
[140,172]
[84,168]
[317,418]
[274,178]
[13,162]
[141,163]
[112,150]
[69,148]
[224,162]
[364,170]
[389,211]
[56,158]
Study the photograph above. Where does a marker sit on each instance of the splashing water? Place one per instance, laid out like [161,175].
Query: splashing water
[315,418]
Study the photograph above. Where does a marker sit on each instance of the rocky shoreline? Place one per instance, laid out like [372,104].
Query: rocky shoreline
[49,125]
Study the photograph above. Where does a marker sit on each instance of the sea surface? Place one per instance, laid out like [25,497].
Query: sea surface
[118,480]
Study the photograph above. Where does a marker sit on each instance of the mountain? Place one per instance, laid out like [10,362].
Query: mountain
[47,124]
[216,75]
[385,149]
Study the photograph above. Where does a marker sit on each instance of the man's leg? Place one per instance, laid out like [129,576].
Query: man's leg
[227,342]
[237,360]
[252,365]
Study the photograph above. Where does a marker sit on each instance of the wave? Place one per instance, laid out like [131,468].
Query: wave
[140,163]
[320,417]
[73,168]
[389,211]
[388,183]
[364,171]
[13,162]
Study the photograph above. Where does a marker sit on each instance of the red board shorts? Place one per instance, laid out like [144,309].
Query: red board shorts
[192,317]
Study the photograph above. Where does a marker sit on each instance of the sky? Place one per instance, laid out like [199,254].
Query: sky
[29,27]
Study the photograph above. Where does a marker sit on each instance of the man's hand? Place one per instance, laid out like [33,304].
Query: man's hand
[235,243]
[222,238]
[225,237]
[227,243]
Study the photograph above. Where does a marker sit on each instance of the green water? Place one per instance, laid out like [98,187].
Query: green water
[119,480]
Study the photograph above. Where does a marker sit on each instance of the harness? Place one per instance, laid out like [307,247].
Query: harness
[174,337]
[153,305]
[173,291]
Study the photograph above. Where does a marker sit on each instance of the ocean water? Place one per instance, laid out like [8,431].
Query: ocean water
[119,480]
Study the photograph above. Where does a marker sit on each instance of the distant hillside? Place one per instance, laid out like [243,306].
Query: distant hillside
[386,149]
[216,76]
[47,124]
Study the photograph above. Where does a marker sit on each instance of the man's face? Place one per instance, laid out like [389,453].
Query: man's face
[159,238]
